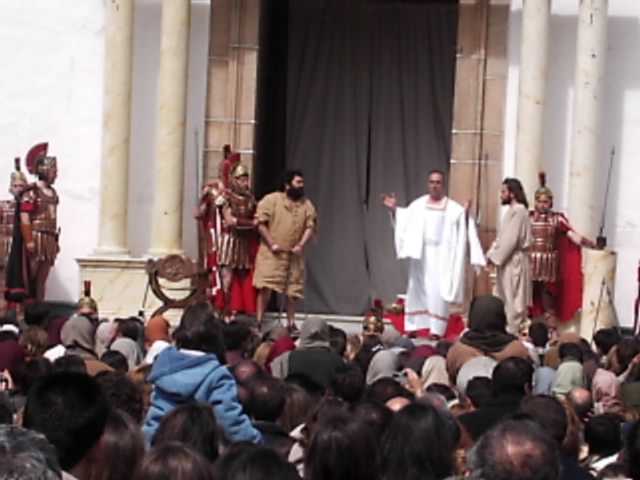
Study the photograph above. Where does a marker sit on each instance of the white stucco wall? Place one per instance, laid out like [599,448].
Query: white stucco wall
[621,114]
[51,89]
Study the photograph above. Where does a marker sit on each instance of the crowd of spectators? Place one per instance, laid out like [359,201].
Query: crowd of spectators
[110,400]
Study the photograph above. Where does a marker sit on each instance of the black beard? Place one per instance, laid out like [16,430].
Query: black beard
[506,201]
[295,193]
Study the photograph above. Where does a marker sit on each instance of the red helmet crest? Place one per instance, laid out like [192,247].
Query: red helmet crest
[36,153]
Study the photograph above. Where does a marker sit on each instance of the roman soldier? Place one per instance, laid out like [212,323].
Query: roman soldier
[555,259]
[238,241]
[38,223]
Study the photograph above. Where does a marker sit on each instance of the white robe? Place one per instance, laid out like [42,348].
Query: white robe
[435,243]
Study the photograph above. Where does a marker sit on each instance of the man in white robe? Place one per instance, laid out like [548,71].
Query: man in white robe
[433,233]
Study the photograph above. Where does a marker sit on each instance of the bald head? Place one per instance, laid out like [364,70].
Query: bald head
[581,401]
[397,403]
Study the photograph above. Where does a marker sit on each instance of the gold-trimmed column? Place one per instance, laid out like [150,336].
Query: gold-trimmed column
[116,122]
[166,237]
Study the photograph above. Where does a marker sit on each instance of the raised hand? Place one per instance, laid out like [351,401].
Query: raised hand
[389,201]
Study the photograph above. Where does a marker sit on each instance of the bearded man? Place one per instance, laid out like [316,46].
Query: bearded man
[509,254]
[286,222]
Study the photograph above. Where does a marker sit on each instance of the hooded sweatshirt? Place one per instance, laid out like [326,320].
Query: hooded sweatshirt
[180,376]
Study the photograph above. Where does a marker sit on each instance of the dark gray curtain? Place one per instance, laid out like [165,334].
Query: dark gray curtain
[368,103]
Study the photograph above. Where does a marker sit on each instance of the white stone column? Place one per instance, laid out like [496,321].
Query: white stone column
[532,88]
[587,159]
[116,122]
[166,237]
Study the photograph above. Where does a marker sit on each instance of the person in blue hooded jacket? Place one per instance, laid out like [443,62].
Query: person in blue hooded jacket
[193,371]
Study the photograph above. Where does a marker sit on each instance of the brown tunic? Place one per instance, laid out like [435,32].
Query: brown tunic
[287,221]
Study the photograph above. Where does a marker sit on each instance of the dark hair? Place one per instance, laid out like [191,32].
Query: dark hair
[627,349]
[337,340]
[419,444]
[515,449]
[122,393]
[27,373]
[26,455]
[341,448]
[384,389]
[443,347]
[130,327]
[121,449]
[632,451]
[267,398]
[570,350]
[174,461]
[515,187]
[438,171]
[549,413]
[613,471]
[235,334]
[251,462]
[374,414]
[200,330]
[479,391]
[446,391]
[193,425]
[539,334]
[6,410]
[71,410]
[348,383]
[115,360]
[603,434]
[511,376]
[289,175]
[296,407]
[606,338]
[69,363]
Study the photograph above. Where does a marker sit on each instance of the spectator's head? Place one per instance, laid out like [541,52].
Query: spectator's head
[157,328]
[122,394]
[487,315]
[35,341]
[115,360]
[375,415]
[570,351]
[515,450]
[512,376]
[250,462]
[26,374]
[69,363]
[627,349]
[479,391]
[448,393]
[119,450]
[348,383]
[603,434]
[314,333]
[267,398]
[71,410]
[192,425]
[549,413]
[200,330]
[632,451]
[581,401]
[26,455]
[236,336]
[539,334]
[246,370]
[605,339]
[384,389]
[403,448]
[131,328]
[337,340]
[341,448]
[297,405]
[174,461]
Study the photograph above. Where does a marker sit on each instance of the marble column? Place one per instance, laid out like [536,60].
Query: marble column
[588,159]
[166,237]
[532,88]
[116,121]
